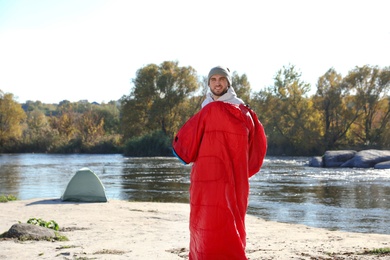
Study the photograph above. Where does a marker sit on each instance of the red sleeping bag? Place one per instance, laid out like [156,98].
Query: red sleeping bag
[227,145]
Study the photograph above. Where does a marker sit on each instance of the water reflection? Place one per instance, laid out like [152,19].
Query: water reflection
[155,179]
[10,178]
[285,190]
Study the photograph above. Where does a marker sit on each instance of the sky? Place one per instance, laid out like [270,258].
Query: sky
[54,50]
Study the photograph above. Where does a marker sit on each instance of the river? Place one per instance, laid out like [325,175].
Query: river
[285,190]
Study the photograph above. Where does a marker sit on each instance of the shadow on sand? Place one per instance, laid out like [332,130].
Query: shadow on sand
[57,201]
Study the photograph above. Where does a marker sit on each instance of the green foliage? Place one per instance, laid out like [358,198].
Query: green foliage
[46,109]
[60,237]
[6,198]
[90,126]
[40,222]
[241,86]
[156,99]
[68,128]
[336,116]
[109,251]
[291,122]
[105,145]
[12,118]
[154,144]
[351,112]
[110,112]
[377,251]
[370,85]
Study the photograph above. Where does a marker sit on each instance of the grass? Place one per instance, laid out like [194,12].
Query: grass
[66,247]
[6,198]
[60,237]
[109,251]
[378,251]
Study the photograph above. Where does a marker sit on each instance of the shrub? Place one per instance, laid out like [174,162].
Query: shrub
[153,144]
[40,222]
[6,198]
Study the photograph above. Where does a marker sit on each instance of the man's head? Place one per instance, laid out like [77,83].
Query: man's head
[219,80]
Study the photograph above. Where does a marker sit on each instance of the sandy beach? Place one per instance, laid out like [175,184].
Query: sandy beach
[138,230]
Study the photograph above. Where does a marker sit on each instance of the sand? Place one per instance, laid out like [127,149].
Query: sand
[138,230]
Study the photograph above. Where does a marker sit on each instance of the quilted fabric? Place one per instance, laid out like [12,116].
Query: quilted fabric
[227,145]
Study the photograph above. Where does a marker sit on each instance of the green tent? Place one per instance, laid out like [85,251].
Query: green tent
[85,186]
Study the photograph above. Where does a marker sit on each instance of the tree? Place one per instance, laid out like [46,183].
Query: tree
[12,117]
[38,135]
[110,112]
[241,86]
[65,121]
[47,109]
[292,124]
[371,87]
[90,126]
[338,115]
[154,102]
[263,104]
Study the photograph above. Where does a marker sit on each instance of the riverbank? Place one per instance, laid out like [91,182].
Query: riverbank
[138,230]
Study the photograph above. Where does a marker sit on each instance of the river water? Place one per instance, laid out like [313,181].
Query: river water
[285,190]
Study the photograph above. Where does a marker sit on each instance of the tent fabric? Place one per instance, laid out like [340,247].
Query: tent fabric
[85,186]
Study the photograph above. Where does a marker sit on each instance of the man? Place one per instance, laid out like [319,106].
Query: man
[227,145]
[220,82]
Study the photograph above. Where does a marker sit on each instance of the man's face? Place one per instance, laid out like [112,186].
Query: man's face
[218,85]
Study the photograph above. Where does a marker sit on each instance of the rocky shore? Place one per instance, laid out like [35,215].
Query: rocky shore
[378,159]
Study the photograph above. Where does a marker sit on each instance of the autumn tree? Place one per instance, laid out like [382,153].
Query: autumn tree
[64,121]
[38,135]
[65,124]
[154,102]
[241,86]
[370,87]
[110,112]
[12,117]
[46,109]
[292,123]
[90,127]
[333,101]
[262,104]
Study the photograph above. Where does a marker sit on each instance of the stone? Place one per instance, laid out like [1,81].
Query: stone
[316,161]
[337,158]
[367,158]
[30,232]
[382,165]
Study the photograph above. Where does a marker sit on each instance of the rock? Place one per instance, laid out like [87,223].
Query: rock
[367,158]
[371,158]
[337,158]
[316,162]
[30,232]
[382,165]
